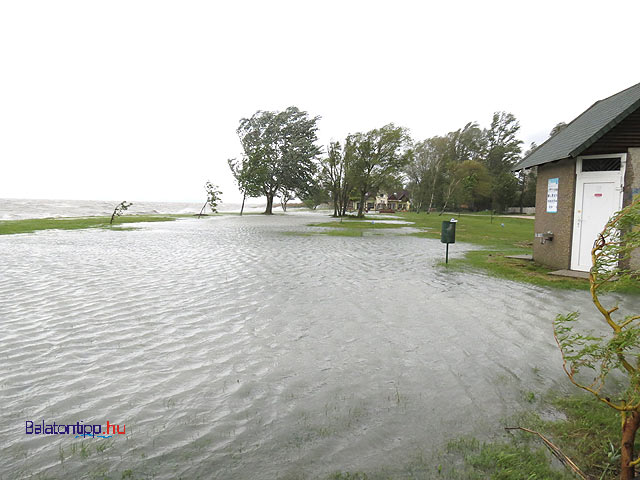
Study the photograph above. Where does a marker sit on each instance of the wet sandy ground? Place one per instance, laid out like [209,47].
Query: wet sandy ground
[232,350]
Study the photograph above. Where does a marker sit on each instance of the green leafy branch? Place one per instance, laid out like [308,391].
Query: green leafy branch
[612,260]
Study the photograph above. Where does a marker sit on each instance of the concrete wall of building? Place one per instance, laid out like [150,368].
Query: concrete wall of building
[631,179]
[557,252]
[631,189]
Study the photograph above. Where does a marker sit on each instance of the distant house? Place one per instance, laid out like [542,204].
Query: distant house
[354,203]
[586,172]
[394,202]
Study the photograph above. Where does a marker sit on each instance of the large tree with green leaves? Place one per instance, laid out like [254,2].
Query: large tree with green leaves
[315,196]
[503,151]
[336,177]
[425,171]
[279,153]
[504,191]
[467,143]
[503,146]
[475,188]
[435,175]
[470,165]
[378,156]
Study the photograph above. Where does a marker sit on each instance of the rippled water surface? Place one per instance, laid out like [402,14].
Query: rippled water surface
[19,209]
[232,350]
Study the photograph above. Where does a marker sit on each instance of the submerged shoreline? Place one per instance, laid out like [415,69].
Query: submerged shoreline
[29,209]
[11,227]
[230,350]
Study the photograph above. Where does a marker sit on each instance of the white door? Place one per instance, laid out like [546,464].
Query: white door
[598,197]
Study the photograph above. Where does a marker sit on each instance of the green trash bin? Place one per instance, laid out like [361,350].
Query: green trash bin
[448,234]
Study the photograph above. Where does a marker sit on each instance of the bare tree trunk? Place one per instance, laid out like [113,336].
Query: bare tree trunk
[431,201]
[345,203]
[269,209]
[450,190]
[630,426]
[433,190]
[361,206]
[203,207]
[335,195]
[446,201]
[283,204]
[244,196]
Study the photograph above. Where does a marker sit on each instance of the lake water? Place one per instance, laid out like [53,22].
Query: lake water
[17,209]
[230,349]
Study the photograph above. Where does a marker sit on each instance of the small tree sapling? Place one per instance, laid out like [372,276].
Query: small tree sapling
[213,198]
[119,210]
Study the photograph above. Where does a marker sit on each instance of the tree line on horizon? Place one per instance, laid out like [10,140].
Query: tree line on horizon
[469,168]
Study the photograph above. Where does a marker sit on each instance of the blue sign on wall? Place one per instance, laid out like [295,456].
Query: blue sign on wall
[552,196]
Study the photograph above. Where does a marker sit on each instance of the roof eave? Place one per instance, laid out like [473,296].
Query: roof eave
[524,160]
[586,144]
[604,130]
[537,164]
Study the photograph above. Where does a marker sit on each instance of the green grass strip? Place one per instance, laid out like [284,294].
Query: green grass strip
[501,237]
[10,227]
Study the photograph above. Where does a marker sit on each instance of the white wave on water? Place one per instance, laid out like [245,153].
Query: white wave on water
[231,350]
[18,209]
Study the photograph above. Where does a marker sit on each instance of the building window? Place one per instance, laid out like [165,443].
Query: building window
[611,164]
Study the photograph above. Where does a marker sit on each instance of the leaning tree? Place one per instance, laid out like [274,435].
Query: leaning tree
[119,210]
[590,359]
[244,178]
[378,156]
[279,153]
[213,198]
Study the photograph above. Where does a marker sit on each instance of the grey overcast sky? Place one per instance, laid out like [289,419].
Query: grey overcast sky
[141,99]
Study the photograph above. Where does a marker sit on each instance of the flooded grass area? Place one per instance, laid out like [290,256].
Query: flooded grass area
[504,233]
[499,264]
[9,227]
[499,237]
[368,224]
[230,350]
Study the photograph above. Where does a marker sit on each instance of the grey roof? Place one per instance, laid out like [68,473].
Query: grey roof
[586,129]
